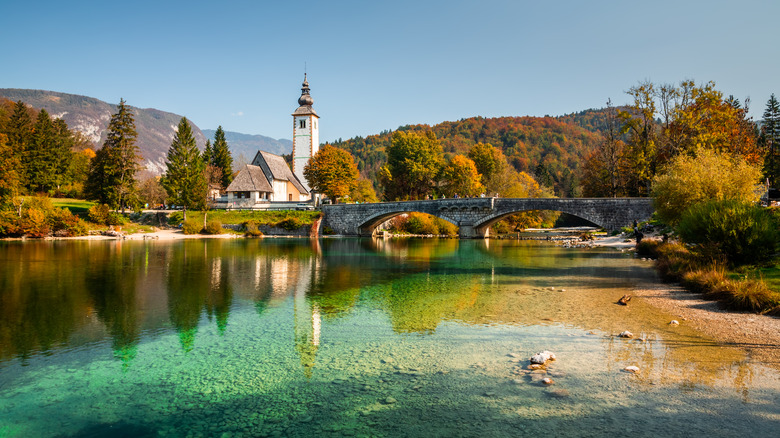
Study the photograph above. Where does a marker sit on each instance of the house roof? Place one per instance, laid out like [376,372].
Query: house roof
[280,170]
[250,179]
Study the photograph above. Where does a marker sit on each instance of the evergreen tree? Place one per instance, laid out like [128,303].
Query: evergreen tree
[19,131]
[48,155]
[112,174]
[221,157]
[770,139]
[185,179]
[208,153]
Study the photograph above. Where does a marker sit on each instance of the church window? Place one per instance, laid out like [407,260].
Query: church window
[315,124]
[302,124]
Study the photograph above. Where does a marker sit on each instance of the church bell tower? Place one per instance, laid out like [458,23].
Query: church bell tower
[306,133]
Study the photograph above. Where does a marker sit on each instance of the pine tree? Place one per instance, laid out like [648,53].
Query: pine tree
[112,173]
[208,153]
[185,179]
[19,131]
[770,138]
[221,157]
[48,155]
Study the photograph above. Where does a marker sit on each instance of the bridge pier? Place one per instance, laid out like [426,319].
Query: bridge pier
[472,232]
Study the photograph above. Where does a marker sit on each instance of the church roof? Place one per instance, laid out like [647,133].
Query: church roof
[279,169]
[250,179]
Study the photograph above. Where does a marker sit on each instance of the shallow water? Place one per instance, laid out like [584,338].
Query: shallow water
[343,337]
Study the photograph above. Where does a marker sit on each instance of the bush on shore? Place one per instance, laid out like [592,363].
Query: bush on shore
[214,227]
[251,229]
[192,226]
[39,218]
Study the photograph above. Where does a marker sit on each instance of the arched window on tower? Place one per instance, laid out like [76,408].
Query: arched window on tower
[302,123]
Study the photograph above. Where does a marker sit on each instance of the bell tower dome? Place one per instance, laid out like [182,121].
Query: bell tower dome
[306,133]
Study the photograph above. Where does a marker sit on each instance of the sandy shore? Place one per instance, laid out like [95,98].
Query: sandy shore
[164,234]
[759,335]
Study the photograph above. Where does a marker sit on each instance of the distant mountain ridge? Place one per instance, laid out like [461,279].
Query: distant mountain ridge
[246,145]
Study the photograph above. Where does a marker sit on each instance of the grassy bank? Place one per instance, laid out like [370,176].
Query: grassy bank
[236,217]
[753,288]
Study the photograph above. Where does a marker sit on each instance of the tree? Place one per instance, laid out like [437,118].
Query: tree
[488,160]
[770,140]
[413,161]
[20,130]
[184,178]
[152,192]
[10,178]
[363,192]
[221,157]
[708,176]
[639,122]
[604,167]
[332,171]
[111,178]
[459,176]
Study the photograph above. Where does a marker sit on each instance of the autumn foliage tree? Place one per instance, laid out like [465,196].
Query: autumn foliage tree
[460,177]
[413,162]
[332,171]
[708,176]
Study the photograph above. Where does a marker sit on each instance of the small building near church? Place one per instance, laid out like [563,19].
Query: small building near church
[268,179]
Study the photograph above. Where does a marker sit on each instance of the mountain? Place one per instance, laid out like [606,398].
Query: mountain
[90,116]
[243,147]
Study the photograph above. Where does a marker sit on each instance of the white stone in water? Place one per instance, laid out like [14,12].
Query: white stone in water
[674,322]
[631,369]
[541,358]
[548,381]
[626,334]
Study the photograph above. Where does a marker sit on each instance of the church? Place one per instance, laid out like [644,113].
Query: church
[268,179]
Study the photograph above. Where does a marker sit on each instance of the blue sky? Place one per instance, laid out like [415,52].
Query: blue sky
[374,66]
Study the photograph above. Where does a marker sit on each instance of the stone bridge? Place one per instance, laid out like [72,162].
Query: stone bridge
[474,216]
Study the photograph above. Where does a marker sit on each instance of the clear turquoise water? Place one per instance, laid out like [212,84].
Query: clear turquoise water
[343,337]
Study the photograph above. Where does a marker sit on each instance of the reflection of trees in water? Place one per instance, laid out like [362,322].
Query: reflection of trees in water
[42,296]
[111,282]
[188,287]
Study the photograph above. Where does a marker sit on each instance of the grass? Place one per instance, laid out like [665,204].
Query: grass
[76,206]
[241,216]
[750,288]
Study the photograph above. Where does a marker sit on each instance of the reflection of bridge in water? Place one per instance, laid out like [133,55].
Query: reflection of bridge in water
[474,216]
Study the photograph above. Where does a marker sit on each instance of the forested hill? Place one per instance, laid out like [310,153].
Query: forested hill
[550,148]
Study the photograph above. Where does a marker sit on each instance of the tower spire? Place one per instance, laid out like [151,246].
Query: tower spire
[305,99]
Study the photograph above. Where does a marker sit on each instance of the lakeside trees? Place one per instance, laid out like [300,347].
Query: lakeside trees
[112,172]
[413,162]
[184,179]
[332,171]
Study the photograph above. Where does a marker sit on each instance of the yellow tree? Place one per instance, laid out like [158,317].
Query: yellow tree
[332,171]
[459,176]
[708,176]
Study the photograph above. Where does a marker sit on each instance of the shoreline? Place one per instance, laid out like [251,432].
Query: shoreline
[756,334]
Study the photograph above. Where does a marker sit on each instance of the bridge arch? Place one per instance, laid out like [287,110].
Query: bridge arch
[482,227]
[369,226]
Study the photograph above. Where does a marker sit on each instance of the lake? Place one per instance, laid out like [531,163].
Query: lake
[355,337]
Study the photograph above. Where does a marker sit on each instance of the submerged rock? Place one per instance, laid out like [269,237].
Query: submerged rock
[548,381]
[674,322]
[626,334]
[631,369]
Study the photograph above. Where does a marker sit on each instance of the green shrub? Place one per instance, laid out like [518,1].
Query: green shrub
[738,231]
[214,227]
[290,224]
[648,248]
[176,218]
[65,224]
[192,226]
[250,229]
